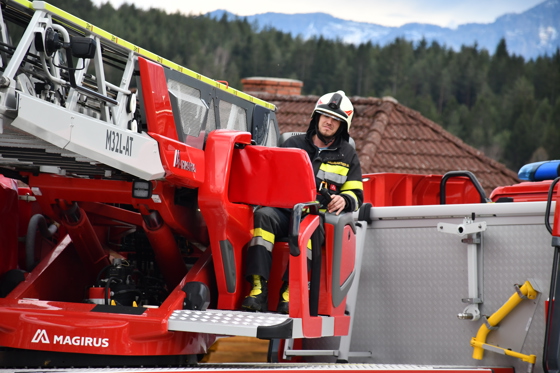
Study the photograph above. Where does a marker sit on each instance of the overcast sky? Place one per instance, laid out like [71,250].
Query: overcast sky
[447,13]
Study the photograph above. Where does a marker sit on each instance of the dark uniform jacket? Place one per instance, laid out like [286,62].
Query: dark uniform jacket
[336,168]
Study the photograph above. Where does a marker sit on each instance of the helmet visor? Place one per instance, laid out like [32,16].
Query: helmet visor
[330,115]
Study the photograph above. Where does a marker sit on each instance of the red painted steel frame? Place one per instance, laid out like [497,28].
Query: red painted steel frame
[66,326]
[9,224]
[185,221]
[46,311]
[168,254]
[299,292]
[227,222]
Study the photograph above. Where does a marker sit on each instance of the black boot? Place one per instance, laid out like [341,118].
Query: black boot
[257,300]
[284,302]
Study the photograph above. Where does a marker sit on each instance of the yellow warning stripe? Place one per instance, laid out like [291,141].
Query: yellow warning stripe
[335,169]
[141,52]
[352,184]
[352,195]
[268,236]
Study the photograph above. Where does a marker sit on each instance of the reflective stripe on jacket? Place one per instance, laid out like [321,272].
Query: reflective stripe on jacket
[336,168]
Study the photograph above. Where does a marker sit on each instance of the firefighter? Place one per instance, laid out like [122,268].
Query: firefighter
[336,168]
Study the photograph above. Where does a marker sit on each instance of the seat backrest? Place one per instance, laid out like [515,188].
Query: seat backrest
[276,177]
[286,135]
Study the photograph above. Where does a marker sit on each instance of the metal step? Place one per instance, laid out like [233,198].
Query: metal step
[237,323]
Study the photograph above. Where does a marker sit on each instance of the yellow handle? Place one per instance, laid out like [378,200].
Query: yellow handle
[531,359]
[526,290]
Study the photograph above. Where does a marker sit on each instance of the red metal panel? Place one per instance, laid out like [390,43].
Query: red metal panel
[524,192]
[341,325]
[347,264]
[227,222]
[348,254]
[183,164]
[299,292]
[66,324]
[556,224]
[9,224]
[391,189]
[71,327]
[157,105]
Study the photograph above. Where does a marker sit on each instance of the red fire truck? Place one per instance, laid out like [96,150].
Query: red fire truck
[127,190]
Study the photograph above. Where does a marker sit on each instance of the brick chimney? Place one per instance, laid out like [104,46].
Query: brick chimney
[278,86]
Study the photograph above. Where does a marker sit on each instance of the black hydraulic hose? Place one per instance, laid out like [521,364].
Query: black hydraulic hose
[36,221]
[107,287]
[98,279]
[548,203]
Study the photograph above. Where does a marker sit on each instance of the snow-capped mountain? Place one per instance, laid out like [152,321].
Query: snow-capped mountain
[533,33]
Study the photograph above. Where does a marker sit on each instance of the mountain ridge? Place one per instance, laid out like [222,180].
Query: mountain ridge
[530,34]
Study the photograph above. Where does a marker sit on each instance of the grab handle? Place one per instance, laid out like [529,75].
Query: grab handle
[473,179]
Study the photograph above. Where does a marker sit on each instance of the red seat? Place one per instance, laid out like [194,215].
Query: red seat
[276,177]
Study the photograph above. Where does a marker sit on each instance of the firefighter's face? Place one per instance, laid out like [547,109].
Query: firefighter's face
[328,126]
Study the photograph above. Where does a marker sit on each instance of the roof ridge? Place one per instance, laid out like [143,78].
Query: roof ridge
[456,140]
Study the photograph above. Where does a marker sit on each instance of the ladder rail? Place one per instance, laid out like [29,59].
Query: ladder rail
[125,113]
[74,67]
[109,46]
[22,49]
[70,86]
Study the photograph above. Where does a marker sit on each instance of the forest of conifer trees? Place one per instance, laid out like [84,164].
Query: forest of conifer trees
[499,103]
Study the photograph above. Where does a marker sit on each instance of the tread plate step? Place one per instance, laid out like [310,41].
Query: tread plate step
[248,324]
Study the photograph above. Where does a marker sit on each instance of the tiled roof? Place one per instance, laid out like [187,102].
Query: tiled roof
[393,138]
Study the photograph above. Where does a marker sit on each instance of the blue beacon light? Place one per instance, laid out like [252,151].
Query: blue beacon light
[539,171]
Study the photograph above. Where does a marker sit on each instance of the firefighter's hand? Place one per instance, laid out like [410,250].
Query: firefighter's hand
[337,204]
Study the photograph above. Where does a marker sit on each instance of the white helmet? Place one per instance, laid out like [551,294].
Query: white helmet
[335,105]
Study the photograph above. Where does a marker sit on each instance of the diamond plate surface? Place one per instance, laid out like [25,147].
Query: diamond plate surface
[412,283]
[223,322]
